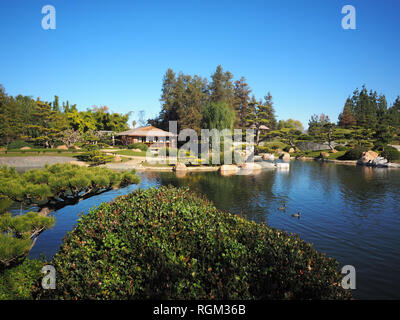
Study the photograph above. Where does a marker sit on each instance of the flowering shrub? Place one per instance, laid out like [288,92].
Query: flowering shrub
[169,243]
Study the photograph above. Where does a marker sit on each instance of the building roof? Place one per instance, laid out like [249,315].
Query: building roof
[148,131]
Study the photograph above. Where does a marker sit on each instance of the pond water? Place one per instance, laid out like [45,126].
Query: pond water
[350,213]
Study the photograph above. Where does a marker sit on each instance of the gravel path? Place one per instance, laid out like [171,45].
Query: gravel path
[32,161]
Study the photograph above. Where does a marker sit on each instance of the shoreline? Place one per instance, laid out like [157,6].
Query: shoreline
[33,162]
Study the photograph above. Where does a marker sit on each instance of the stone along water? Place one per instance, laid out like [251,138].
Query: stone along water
[350,213]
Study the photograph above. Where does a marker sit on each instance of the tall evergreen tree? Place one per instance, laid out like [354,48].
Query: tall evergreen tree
[221,87]
[241,102]
[347,118]
[266,113]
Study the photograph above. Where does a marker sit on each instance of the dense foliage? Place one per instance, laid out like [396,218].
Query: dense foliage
[390,153]
[46,123]
[197,103]
[354,153]
[95,157]
[168,243]
[138,145]
[19,233]
[18,282]
[60,184]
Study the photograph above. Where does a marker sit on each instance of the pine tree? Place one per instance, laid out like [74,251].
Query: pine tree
[221,87]
[266,113]
[241,102]
[347,118]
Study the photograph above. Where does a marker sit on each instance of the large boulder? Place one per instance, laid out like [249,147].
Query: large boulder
[285,156]
[63,147]
[314,146]
[117,159]
[324,155]
[25,148]
[268,156]
[250,166]
[282,165]
[180,167]
[379,162]
[367,157]
[291,150]
[228,169]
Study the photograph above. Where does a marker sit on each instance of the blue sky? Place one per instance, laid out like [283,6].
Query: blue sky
[115,53]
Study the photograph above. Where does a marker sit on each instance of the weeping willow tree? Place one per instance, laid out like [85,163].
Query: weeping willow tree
[48,189]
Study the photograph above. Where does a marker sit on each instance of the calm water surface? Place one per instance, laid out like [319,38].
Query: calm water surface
[350,213]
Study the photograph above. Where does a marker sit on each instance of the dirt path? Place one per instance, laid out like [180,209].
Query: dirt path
[32,161]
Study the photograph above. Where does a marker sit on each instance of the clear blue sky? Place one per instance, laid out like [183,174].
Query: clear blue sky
[115,53]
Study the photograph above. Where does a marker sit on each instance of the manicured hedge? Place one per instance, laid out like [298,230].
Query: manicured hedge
[354,153]
[390,153]
[169,243]
[138,145]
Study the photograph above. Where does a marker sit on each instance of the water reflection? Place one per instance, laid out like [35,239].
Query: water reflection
[349,212]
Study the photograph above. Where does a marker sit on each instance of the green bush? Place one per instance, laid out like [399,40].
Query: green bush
[276,145]
[19,144]
[169,243]
[95,157]
[341,148]
[390,153]
[354,153]
[138,145]
[19,282]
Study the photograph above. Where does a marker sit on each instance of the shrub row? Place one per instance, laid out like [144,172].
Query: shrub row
[138,145]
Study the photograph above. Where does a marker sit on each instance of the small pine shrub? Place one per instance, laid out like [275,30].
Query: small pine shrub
[354,153]
[341,148]
[390,153]
[138,145]
[18,144]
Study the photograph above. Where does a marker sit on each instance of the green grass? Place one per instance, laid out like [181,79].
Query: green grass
[316,154]
[131,153]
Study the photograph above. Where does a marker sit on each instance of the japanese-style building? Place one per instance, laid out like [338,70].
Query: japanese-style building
[151,136]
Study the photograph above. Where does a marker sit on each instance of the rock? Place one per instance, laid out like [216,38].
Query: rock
[367,157]
[250,166]
[63,147]
[3,149]
[180,167]
[75,147]
[282,165]
[180,174]
[228,169]
[379,162]
[136,150]
[324,155]
[291,150]
[268,156]
[117,159]
[313,146]
[334,151]
[25,148]
[285,156]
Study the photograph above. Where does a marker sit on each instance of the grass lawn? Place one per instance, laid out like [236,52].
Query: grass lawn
[131,153]
[316,154]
